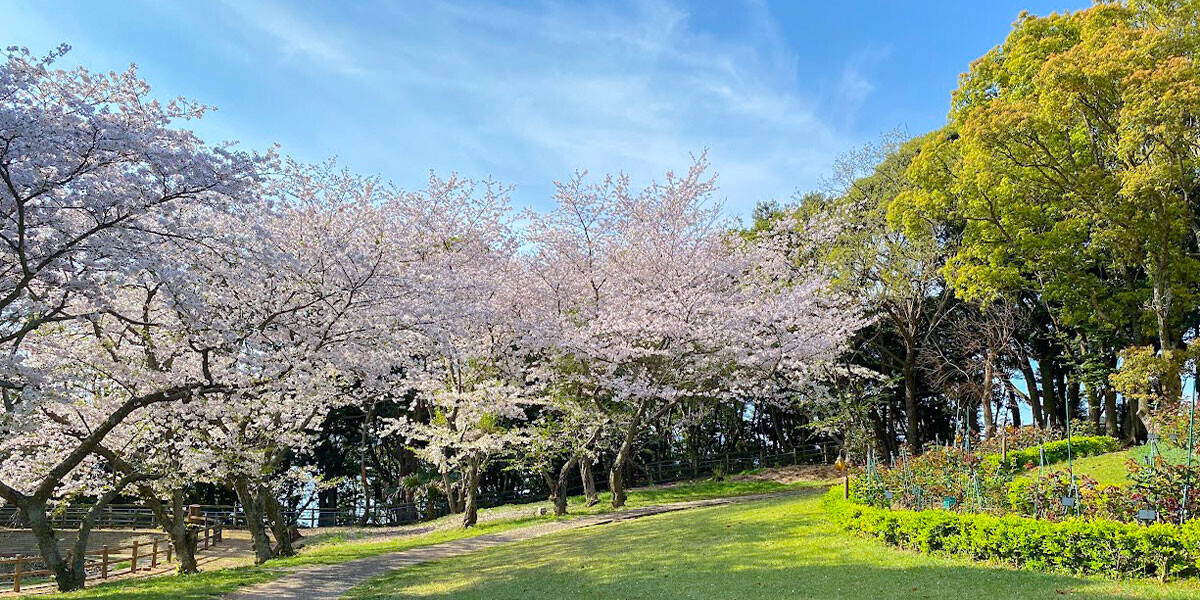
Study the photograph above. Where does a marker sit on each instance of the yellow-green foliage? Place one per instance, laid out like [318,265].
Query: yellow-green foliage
[1149,376]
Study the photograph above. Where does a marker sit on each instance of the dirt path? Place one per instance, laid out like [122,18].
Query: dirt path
[331,581]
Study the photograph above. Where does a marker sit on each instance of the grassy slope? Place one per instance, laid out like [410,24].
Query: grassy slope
[1112,468]
[336,549]
[772,549]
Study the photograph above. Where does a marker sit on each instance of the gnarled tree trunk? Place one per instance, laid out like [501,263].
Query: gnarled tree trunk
[175,522]
[616,473]
[591,498]
[66,576]
[471,492]
[281,526]
[255,522]
[558,486]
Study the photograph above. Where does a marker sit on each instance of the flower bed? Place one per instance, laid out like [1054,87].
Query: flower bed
[950,500]
[1078,546]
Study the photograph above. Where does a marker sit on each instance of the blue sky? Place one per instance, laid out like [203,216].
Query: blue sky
[528,92]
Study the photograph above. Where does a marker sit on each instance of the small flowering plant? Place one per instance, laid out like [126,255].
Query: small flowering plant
[1054,496]
[1166,487]
[946,477]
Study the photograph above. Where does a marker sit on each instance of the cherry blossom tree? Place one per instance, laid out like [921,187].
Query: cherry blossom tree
[470,372]
[563,436]
[658,303]
[96,182]
[307,300]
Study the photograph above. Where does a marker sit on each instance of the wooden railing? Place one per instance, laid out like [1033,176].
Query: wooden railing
[109,561]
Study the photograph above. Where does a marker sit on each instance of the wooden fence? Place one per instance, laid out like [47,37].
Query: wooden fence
[110,561]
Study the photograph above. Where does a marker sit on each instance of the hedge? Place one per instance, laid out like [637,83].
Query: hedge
[1076,546]
[1081,447]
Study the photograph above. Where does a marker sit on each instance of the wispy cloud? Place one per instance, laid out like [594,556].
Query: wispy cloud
[295,36]
[854,87]
[530,92]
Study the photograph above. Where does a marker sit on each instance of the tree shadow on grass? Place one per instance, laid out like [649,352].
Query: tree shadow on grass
[781,549]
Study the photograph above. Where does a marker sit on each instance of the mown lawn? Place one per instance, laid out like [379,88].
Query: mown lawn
[336,548]
[781,548]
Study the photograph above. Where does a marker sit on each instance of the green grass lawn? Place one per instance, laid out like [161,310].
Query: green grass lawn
[1112,468]
[780,548]
[342,547]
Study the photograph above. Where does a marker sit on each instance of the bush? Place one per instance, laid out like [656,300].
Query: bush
[1041,497]
[1160,485]
[1076,546]
[976,482]
[918,482]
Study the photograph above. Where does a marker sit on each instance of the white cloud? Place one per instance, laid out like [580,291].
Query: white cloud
[297,37]
[531,92]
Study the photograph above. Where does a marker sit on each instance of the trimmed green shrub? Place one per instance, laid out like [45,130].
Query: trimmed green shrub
[1074,546]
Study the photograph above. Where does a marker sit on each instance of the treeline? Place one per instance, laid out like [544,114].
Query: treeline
[1038,254]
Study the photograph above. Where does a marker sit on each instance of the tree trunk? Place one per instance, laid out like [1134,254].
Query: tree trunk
[327,503]
[1031,384]
[1051,407]
[280,525]
[1095,408]
[558,486]
[251,505]
[913,434]
[175,522]
[1014,409]
[989,419]
[589,482]
[616,472]
[184,539]
[616,485]
[560,503]
[471,491]
[451,494]
[66,577]
[363,449]
[1111,424]
[1074,395]
[558,496]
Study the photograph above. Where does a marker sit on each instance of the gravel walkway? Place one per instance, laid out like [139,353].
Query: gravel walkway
[331,581]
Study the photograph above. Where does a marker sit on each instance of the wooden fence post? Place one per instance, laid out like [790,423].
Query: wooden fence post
[170,546]
[206,536]
[154,553]
[133,556]
[104,562]
[17,575]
